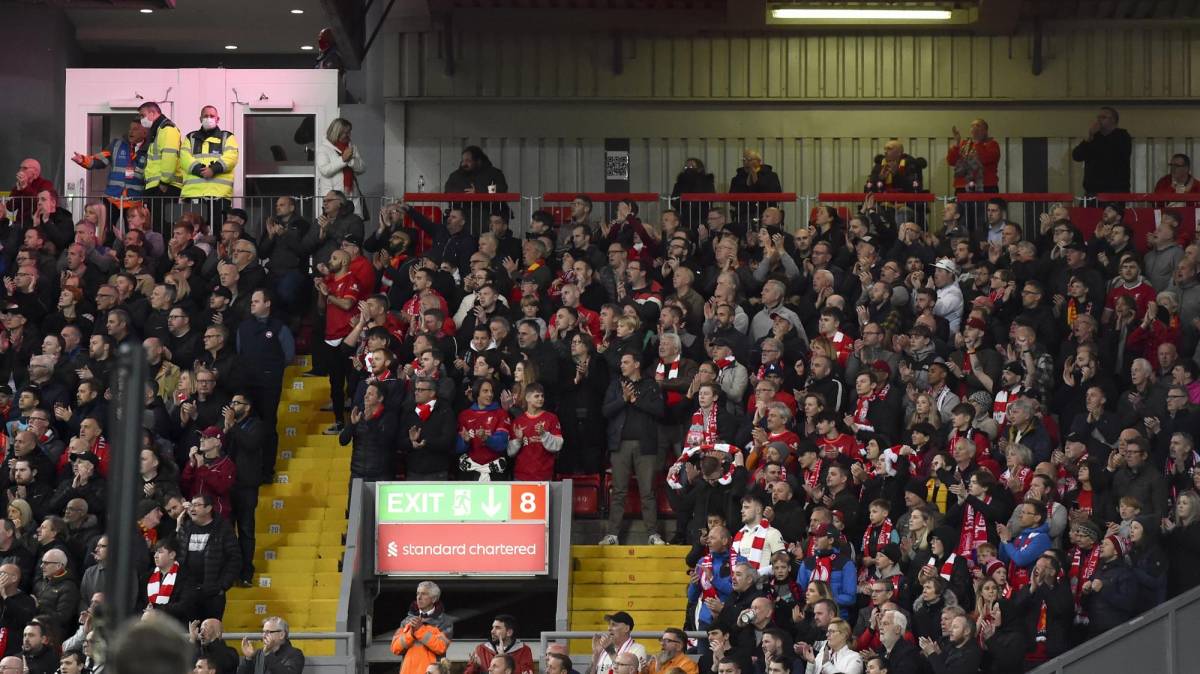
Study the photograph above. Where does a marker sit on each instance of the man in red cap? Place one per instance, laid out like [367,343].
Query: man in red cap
[210,472]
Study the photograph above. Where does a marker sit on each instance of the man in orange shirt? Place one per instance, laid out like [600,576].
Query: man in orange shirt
[674,642]
[425,634]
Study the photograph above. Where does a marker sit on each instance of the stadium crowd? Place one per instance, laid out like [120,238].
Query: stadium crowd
[958,447]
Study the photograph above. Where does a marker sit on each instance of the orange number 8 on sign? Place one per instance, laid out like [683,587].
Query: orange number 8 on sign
[528,502]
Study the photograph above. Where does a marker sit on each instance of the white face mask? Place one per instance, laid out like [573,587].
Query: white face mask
[208,123]
[146,122]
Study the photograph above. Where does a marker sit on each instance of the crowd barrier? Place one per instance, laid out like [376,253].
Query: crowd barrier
[1142,211]
[740,207]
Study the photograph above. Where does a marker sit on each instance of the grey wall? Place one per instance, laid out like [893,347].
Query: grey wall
[39,45]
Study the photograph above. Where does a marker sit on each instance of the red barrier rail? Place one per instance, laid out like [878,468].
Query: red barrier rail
[908,197]
[968,197]
[477,206]
[739,196]
[1152,197]
[599,197]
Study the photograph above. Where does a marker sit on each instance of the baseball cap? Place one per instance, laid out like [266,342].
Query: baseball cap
[353,238]
[823,530]
[620,617]
[145,507]
[213,432]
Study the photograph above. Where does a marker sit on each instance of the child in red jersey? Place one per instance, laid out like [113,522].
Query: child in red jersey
[536,438]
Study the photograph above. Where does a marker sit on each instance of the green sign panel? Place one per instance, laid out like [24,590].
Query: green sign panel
[440,502]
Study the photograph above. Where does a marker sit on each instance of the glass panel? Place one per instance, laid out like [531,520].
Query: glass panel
[278,145]
[102,130]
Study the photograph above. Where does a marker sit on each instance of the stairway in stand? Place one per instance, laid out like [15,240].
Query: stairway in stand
[649,582]
[300,524]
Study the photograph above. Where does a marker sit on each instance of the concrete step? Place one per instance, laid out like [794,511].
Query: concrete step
[622,602]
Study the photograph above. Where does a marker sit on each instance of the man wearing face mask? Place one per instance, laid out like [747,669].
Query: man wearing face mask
[164,177]
[207,157]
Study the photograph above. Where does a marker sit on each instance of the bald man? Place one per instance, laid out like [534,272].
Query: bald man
[12,664]
[16,607]
[207,638]
[28,183]
[57,593]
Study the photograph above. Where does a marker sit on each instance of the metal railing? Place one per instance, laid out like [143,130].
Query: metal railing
[547,637]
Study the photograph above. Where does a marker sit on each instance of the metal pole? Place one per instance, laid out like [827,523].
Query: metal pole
[125,424]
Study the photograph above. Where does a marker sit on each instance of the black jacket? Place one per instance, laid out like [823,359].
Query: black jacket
[438,432]
[692,213]
[289,250]
[643,415]
[287,660]
[1060,614]
[1117,599]
[220,655]
[214,568]
[244,443]
[374,438]
[1183,552]
[956,660]
[905,658]
[1105,161]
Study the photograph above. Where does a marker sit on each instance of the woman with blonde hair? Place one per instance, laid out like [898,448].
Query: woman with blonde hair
[836,655]
[338,160]
[924,411]
[1183,544]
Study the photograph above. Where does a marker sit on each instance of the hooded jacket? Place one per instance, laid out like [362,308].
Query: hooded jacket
[1149,565]
[1116,602]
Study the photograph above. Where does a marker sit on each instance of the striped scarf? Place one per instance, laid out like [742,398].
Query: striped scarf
[158,590]
[758,539]
[1000,405]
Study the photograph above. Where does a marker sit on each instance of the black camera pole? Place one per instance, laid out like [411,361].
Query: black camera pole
[125,433]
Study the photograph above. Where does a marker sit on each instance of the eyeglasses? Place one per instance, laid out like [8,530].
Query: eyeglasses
[206,381]
[424,388]
[211,336]
[266,631]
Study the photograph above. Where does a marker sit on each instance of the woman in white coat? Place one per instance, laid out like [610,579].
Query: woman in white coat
[836,656]
[338,161]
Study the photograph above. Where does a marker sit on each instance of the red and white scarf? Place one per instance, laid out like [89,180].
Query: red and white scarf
[723,363]
[158,590]
[812,475]
[974,530]
[822,568]
[425,409]
[703,429]
[863,405]
[1003,398]
[1083,570]
[1024,474]
[688,452]
[705,574]
[754,555]
[947,568]
[879,535]
[669,371]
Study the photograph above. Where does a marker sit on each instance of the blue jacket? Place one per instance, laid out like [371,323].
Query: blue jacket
[722,583]
[1025,549]
[843,580]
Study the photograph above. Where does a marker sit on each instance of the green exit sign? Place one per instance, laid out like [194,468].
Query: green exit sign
[461,501]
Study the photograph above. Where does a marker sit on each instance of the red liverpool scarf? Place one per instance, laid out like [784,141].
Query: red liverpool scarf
[158,590]
[759,533]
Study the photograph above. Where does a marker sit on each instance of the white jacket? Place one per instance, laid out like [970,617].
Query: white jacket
[844,661]
[330,165]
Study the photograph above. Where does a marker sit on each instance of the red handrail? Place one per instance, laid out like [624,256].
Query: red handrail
[740,196]
[461,196]
[601,197]
[971,197]
[1148,196]
[919,197]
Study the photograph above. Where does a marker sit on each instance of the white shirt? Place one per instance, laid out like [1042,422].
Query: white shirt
[843,661]
[605,664]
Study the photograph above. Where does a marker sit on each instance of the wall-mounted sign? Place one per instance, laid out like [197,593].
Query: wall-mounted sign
[456,528]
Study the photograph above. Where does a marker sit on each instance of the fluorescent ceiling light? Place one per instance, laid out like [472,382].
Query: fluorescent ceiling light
[231,47]
[146,11]
[297,11]
[861,14]
[307,47]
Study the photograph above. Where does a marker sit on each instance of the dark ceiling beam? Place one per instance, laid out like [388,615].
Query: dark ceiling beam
[998,17]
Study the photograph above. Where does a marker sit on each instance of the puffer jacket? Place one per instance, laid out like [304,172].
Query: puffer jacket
[374,437]
[1116,601]
[58,597]
[1149,565]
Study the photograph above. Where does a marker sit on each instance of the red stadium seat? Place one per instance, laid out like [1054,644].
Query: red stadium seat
[585,490]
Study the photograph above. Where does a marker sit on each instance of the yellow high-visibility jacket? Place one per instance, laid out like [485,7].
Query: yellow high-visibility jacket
[162,156]
[217,149]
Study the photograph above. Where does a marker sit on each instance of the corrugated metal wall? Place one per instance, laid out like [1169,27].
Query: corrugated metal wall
[1080,63]
[818,107]
[568,155]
